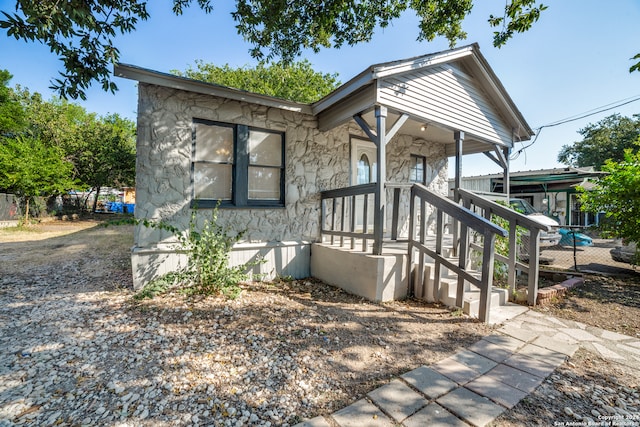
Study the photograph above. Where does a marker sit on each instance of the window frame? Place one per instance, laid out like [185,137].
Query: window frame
[424,168]
[240,169]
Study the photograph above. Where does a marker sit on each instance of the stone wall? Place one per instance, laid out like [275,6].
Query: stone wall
[315,161]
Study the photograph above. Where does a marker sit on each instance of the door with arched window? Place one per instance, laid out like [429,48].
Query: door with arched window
[363,171]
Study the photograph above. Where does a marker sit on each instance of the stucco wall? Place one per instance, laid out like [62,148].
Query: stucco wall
[315,161]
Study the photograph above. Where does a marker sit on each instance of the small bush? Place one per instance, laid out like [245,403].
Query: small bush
[207,271]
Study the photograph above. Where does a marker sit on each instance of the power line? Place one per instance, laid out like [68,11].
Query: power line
[579,116]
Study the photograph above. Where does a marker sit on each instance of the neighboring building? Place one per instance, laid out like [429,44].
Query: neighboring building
[551,191]
[268,160]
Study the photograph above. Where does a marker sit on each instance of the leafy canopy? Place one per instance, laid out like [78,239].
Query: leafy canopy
[83,32]
[606,140]
[295,81]
[618,195]
[11,112]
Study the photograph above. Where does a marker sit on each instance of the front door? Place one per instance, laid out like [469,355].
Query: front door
[363,171]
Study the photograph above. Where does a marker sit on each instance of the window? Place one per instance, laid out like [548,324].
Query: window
[238,165]
[418,166]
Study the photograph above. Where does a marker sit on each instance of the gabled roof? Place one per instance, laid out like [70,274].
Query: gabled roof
[481,107]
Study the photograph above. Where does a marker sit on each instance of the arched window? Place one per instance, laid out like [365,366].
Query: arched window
[364,170]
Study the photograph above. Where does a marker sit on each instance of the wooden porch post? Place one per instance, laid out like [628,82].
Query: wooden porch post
[381,174]
[507,184]
[458,136]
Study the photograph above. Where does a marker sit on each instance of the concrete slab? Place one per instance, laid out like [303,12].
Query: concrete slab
[505,341]
[470,406]
[361,414]
[519,333]
[490,350]
[557,346]
[456,371]
[475,361]
[529,364]
[497,391]
[433,415]
[628,348]
[579,334]
[314,422]
[614,336]
[562,337]
[551,357]
[605,352]
[397,399]
[515,378]
[429,382]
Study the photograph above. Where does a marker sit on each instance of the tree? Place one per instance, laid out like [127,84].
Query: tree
[82,33]
[606,140]
[106,154]
[29,168]
[618,195]
[11,112]
[295,81]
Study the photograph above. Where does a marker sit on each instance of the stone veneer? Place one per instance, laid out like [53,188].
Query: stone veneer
[315,161]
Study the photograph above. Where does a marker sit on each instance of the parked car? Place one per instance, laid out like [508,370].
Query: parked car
[547,238]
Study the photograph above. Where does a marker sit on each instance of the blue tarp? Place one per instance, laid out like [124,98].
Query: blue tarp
[567,238]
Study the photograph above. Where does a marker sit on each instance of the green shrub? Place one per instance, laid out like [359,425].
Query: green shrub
[207,271]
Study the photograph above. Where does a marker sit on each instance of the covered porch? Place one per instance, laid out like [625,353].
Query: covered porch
[385,239]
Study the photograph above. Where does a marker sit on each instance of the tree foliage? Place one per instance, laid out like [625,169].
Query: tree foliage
[82,33]
[618,195]
[54,146]
[295,81]
[29,168]
[11,112]
[606,140]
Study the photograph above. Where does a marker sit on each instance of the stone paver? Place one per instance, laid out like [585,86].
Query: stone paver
[505,341]
[429,382]
[544,354]
[434,415]
[579,334]
[456,371]
[606,353]
[491,351]
[397,399]
[477,384]
[516,378]
[529,364]
[556,345]
[361,414]
[475,361]
[314,422]
[470,406]
[497,391]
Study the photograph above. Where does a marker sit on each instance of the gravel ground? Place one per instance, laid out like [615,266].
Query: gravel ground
[76,350]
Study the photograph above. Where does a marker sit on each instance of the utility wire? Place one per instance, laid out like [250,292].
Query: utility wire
[610,106]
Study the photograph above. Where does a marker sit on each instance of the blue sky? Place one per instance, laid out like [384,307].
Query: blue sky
[573,61]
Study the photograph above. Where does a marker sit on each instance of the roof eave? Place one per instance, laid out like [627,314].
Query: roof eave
[144,75]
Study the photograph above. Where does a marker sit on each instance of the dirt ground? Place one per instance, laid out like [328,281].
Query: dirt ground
[361,344]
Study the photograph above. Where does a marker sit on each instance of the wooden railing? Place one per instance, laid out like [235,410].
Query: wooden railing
[339,209]
[515,220]
[420,197]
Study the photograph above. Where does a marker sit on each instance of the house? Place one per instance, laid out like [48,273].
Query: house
[275,165]
[551,191]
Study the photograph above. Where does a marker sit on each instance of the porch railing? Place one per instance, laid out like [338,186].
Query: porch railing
[515,220]
[339,209]
[420,197]
[347,214]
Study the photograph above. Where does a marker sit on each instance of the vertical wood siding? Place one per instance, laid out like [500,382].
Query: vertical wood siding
[446,95]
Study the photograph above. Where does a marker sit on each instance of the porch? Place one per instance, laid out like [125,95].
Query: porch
[432,249]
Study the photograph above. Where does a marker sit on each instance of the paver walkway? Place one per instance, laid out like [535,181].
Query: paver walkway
[477,384]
